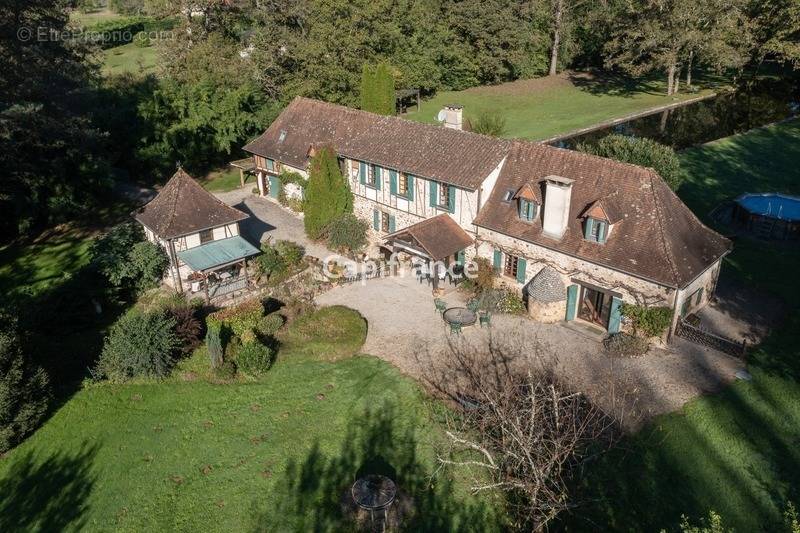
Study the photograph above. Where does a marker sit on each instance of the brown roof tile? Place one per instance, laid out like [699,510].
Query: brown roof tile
[655,237]
[439,236]
[183,206]
[456,157]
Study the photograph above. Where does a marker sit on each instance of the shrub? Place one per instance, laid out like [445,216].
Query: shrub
[489,123]
[639,151]
[626,345]
[187,327]
[241,318]
[652,321]
[24,388]
[484,278]
[270,262]
[142,40]
[510,302]
[327,193]
[347,232]
[214,343]
[254,359]
[290,252]
[226,371]
[269,325]
[139,344]
[127,260]
[295,204]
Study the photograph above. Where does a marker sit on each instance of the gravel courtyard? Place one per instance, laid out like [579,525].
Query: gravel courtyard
[403,323]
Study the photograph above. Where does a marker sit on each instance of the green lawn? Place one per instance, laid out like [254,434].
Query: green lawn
[129,58]
[272,455]
[92,17]
[227,180]
[44,264]
[545,107]
[736,453]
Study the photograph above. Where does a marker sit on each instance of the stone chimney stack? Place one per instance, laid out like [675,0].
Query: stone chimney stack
[453,116]
[557,195]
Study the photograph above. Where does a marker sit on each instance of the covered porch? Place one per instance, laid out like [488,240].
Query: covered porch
[435,244]
[218,268]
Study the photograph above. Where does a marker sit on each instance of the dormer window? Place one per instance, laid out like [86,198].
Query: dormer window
[528,210]
[595,230]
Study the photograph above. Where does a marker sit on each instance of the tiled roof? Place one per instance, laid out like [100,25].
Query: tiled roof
[655,237]
[547,286]
[451,156]
[439,236]
[183,206]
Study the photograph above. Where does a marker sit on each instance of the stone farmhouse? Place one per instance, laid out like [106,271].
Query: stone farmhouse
[576,234]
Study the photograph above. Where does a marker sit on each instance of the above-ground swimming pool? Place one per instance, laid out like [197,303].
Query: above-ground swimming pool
[770,216]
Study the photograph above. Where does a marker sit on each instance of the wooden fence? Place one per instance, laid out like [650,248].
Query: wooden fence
[704,337]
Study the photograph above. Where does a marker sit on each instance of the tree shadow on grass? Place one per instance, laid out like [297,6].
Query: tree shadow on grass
[46,495]
[609,83]
[315,492]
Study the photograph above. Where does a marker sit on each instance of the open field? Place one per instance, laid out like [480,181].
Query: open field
[272,455]
[735,453]
[543,107]
[92,17]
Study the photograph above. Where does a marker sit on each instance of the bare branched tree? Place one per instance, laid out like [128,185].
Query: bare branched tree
[518,429]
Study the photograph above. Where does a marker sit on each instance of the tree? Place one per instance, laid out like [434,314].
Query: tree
[24,388]
[773,31]
[347,232]
[377,89]
[520,431]
[127,260]
[639,151]
[328,195]
[139,344]
[51,150]
[667,35]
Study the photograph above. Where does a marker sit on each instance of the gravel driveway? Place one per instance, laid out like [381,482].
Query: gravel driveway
[403,323]
[268,219]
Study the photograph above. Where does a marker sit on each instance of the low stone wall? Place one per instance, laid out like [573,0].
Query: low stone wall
[547,313]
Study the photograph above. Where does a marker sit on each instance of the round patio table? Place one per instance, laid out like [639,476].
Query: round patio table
[460,315]
[374,493]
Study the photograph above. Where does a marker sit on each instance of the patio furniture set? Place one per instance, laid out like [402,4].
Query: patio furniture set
[460,317]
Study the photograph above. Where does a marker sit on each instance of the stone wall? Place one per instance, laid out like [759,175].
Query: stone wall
[548,313]
[571,269]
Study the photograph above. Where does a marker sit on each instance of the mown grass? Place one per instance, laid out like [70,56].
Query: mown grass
[735,453]
[227,180]
[129,58]
[34,268]
[92,17]
[540,109]
[272,455]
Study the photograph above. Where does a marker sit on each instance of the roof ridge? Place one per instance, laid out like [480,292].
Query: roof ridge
[395,118]
[584,155]
[654,177]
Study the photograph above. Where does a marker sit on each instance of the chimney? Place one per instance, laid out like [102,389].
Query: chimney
[452,115]
[558,192]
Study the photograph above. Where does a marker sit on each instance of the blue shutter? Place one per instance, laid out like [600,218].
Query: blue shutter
[393,182]
[588,229]
[460,257]
[362,173]
[391,224]
[497,260]
[376,220]
[572,301]
[601,232]
[434,193]
[615,315]
[378,177]
[451,199]
[521,208]
[521,265]
[274,186]
[410,179]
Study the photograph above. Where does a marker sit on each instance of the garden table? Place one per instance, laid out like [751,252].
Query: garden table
[460,315]
[374,493]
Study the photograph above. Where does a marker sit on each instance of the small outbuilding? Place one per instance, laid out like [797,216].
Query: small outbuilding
[200,234]
[547,296]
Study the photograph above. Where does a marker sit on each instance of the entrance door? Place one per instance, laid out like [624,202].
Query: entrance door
[274,186]
[592,306]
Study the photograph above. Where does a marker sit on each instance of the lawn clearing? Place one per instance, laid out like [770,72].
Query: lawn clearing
[226,179]
[92,17]
[544,107]
[273,455]
[37,267]
[735,453]
[129,58]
